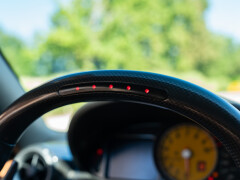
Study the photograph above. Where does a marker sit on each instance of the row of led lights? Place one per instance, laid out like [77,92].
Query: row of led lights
[111,87]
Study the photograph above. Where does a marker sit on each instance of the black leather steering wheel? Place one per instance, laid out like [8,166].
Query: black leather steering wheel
[203,107]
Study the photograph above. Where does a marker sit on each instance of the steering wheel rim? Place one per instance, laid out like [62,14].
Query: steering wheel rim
[203,107]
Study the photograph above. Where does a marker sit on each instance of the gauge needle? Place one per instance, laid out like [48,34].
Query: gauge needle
[186,155]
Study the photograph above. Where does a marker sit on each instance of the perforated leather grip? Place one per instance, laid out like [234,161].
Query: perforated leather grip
[205,108]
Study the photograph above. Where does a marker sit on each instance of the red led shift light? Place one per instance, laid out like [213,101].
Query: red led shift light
[110,86]
[77,88]
[147,91]
[128,88]
[99,152]
[94,86]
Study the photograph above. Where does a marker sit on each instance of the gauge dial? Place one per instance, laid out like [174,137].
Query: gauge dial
[186,152]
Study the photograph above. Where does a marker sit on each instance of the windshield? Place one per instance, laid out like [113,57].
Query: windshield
[198,41]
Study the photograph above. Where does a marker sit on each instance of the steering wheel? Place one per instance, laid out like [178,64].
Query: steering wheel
[203,107]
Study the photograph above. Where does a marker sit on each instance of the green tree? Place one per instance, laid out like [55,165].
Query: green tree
[17,53]
[152,35]
[136,34]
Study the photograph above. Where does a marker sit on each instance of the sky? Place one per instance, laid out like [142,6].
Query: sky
[24,18]
[223,17]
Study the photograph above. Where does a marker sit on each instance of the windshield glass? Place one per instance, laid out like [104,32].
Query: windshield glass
[198,41]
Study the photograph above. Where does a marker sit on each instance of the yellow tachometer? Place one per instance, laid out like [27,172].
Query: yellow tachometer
[186,152]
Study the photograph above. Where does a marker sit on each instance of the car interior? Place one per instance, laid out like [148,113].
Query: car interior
[134,126]
[120,90]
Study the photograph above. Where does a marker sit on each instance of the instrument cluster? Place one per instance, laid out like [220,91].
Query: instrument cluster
[137,141]
[187,152]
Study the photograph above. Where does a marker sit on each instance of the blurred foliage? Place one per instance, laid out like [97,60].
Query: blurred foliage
[17,53]
[157,35]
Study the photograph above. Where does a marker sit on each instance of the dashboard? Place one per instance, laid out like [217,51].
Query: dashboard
[130,143]
[145,157]
[133,144]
